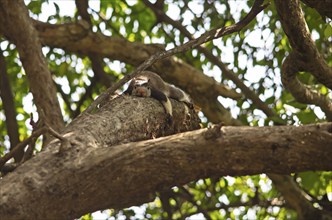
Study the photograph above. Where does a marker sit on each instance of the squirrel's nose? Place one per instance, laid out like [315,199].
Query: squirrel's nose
[141,92]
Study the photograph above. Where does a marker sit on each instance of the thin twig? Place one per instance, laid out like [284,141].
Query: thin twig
[46,128]
[54,133]
[29,151]
[20,146]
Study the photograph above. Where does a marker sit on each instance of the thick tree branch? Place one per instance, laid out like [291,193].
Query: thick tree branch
[96,173]
[304,57]
[82,8]
[13,23]
[324,7]
[296,29]
[165,197]
[8,104]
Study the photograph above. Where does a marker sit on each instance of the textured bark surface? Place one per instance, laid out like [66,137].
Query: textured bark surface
[76,38]
[95,171]
[56,176]
[92,171]
[8,104]
[17,26]
[324,7]
[302,93]
[308,57]
[303,57]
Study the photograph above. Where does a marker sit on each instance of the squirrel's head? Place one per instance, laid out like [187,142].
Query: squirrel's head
[141,88]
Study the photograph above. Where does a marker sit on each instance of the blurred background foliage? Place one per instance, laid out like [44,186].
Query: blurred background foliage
[255,55]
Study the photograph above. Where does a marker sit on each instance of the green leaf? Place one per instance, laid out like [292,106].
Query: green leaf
[328,31]
[307,116]
[35,6]
[308,179]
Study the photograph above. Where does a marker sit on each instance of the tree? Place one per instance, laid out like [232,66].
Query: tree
[89,150]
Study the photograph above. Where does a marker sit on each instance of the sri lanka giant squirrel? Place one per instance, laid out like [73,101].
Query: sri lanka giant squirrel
[150,84]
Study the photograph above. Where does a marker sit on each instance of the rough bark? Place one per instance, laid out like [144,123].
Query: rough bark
[164,66]
[296,29]
[324,7]
[94,172]
[8,104]
[304,57]
[17,26]
[302,93]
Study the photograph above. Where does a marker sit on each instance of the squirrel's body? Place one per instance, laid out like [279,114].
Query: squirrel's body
[150,84]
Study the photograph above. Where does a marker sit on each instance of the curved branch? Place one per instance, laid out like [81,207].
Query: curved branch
[302,93]
[296,29]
